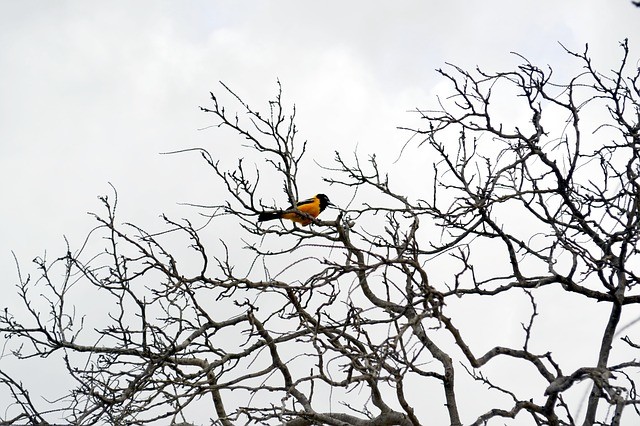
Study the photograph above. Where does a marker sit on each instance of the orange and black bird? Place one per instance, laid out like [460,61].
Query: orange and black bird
[312,207]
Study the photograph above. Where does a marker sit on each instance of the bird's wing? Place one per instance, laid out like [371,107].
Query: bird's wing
[302,203]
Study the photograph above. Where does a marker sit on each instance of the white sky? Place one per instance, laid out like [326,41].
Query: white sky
[92,91]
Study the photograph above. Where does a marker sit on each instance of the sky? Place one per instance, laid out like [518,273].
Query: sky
[92,92]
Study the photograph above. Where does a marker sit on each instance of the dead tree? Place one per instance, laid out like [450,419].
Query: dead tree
[350,321]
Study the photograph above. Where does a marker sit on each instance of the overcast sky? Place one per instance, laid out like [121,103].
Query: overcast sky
[92,91]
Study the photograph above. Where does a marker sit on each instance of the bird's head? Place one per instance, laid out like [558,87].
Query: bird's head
[324,201]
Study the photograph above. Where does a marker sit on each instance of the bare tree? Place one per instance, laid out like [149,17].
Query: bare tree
[342,322]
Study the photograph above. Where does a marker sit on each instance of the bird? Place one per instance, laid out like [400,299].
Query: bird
[312,207]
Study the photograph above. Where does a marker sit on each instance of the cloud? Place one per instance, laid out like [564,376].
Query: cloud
[93,91]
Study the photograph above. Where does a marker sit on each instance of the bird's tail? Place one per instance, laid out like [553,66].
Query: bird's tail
[264,216]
